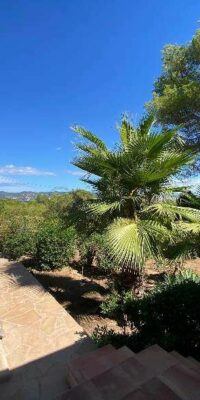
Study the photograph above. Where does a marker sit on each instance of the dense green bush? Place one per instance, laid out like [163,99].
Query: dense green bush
[19,223]
[168,316]
[54,246]
[18,244]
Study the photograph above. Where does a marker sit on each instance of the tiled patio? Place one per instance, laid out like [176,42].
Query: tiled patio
[40,337]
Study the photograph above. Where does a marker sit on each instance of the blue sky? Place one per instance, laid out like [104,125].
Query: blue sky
[76,61]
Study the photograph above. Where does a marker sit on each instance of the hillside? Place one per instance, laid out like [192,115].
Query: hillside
[24,196]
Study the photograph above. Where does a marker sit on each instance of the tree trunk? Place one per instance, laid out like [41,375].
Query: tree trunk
[131,279]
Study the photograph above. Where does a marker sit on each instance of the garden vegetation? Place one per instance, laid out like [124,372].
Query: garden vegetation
[138,209]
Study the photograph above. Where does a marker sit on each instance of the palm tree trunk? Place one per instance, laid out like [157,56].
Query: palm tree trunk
[133,279]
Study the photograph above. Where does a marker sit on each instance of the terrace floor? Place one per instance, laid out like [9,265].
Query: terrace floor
[40,337]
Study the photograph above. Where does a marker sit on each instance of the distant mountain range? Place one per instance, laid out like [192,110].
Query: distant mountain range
[24,196]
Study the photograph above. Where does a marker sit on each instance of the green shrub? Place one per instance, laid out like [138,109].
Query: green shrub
[19,244]
[54,246]
[187,275]
[168,316]
[112,306]
[103,336]
[116,304]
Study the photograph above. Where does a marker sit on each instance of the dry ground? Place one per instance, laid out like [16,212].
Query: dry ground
[81,296]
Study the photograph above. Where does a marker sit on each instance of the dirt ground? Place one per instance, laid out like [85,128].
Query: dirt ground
[81,296]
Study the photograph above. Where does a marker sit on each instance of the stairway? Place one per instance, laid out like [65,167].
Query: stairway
[151,374]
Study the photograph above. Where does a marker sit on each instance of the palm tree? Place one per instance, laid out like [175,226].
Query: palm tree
[190,199]
[135,191]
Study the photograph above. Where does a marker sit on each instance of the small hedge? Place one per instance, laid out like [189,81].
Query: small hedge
[168,316]
[18,244]
[54,246]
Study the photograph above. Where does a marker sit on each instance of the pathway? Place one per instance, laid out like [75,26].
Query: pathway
[40,337]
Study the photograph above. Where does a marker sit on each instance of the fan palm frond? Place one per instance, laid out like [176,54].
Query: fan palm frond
[172,211]
[125,242]
[89,136]
[104,208]
[146,124]
[126,131]
[131,241]
[87,148]
[191,227]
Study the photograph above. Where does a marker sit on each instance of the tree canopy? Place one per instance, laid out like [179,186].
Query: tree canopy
[176,96]
[132,183]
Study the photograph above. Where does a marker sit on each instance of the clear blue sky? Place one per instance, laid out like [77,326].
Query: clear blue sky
[76,61]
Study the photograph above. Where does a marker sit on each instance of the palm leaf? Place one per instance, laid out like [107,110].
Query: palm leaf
[126,131]
[89,136]
[172,211]
[87,148]
[191,227]
[125,243]
[157,142]
[130,241]
[103,208]
[146,124]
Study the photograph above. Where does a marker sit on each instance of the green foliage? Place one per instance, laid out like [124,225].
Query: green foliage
[69,208]
[103,336]
[116,304]
[190,199]
[18,244]
[21,222]
[112,306]
[18,227]
[42,198]
[168,316]
[54,246]
[94,251]
[130,182]
[63,206]
[184,276]
[176,98]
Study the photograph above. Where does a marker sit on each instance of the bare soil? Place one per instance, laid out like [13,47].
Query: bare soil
[81,295]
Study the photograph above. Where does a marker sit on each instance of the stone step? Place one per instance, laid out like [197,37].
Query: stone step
[4,368]
[184,381]
[98,364]
[84,391]
[188,362]
[114,383]
[121,379]
[157,359]
[154,389]
[81,368]
[104,362]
